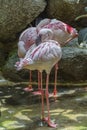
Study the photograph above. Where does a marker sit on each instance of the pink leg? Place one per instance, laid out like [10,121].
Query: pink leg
[39,84]
[39,80]
[42,96]
[55,84]
[51,124]
[29,88]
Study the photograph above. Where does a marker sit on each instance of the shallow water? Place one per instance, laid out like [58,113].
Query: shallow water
[22,111]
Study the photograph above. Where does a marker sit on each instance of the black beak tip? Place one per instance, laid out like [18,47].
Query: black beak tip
[38,40]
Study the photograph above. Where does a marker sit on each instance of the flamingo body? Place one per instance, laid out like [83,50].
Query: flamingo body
[62,31]
[42,57]
[26,39]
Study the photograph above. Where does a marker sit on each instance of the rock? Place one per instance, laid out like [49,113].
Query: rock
[66,10]
[9,70]
[72,67]
[1,77]
[85,9]
[82,35]
[16,15]
[82,38]
[2,55]
[83,44]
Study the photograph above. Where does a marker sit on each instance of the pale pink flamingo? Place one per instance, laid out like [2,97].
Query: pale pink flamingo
[26,40]
[43,57]
[62,33]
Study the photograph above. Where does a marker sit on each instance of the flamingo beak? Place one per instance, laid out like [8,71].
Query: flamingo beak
[38,40]
[18,68]
[76,35]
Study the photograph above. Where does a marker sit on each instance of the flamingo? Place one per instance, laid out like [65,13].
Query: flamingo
[62,32]
[26,40]
[43,57]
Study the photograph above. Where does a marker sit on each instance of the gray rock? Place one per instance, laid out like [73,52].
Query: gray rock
[2,55]
[82,35]
[66,10]
[85,9]
[9,71]
[15,15]
[72,67]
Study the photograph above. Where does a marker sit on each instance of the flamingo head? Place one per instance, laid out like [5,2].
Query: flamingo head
[44,35]
[24,63]
[21,49]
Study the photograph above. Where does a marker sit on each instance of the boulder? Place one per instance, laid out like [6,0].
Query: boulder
[9,71]
[72,67]
[82,38]
[66,10]
[82,35]
[2,55]
[15,15]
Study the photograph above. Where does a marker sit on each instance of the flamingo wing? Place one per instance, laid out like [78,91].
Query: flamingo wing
[46,51]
